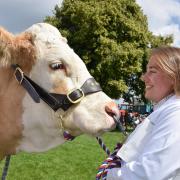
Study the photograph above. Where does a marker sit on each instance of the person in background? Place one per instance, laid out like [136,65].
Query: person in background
[152,151]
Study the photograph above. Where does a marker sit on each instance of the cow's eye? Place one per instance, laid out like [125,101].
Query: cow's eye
[57,66]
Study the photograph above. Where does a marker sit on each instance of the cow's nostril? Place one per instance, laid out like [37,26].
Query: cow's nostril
[110,113]
[112,109]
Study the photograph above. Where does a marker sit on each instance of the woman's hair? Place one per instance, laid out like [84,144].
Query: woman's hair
[168,59]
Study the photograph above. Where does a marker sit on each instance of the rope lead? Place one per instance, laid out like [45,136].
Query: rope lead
[5,169]
[120,127]
[103,146]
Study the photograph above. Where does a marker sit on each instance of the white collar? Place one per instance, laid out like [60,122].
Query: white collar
[162,101]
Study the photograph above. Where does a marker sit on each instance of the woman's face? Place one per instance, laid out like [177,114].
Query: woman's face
[157,83]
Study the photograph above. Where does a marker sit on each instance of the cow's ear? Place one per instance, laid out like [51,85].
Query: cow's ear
[24,52]
[16,49]
[6,41]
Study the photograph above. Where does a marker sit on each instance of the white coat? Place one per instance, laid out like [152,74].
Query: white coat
[152,151]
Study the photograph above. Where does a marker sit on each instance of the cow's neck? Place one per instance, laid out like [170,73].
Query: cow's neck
[41,131]
[11,97]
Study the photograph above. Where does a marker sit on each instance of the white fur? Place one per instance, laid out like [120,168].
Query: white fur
[41,131]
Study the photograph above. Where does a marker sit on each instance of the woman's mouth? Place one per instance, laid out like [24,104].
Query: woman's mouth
[148,87]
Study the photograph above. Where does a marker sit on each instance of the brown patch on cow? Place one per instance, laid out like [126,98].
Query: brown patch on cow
[60,87]
[11,96]
[18,50]
[24,51]
[6,39]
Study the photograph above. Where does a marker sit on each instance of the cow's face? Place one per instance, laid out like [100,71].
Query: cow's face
[59,70]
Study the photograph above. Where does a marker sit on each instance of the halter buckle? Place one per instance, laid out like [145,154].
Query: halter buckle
[17,72]
[79,99]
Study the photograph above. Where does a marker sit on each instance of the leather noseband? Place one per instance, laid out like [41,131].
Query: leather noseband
[55,101]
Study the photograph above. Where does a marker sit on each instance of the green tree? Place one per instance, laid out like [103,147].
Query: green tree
[112,38]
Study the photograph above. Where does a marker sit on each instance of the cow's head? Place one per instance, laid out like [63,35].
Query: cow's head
[44,55]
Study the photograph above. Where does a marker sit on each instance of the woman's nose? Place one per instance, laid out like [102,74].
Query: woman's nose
[143,77]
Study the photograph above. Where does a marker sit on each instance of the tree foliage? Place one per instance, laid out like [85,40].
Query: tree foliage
[112,38]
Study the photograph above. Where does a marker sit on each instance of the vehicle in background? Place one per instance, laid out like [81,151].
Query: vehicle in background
[131,115]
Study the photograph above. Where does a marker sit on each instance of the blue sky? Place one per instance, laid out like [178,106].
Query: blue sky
[163,17]
[17,15]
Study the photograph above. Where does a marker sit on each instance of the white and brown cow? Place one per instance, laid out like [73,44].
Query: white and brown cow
[45,57]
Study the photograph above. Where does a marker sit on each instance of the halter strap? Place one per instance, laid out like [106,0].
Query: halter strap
[55,101]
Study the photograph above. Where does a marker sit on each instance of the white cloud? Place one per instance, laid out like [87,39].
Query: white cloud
[170,29]
[163,17]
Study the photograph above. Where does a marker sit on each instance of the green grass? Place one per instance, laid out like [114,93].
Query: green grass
[76,160]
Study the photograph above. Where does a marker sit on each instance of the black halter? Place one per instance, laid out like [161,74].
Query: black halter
[55,101]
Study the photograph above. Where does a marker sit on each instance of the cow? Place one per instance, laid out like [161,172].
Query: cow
[45,91]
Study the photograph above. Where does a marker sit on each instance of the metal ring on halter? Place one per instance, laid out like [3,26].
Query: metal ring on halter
[18,69]
[59,119]
[79,99]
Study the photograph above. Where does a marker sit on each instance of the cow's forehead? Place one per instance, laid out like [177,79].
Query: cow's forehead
[50,40]
[45,33]
[55,48]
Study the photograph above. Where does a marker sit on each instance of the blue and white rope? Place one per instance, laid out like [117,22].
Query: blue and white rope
[103,146]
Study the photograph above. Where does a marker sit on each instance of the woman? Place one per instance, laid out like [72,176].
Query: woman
[152,151]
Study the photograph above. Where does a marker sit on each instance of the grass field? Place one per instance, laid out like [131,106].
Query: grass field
[76,160]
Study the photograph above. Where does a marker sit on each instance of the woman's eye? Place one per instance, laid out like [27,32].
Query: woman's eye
[152,72]
[57,66]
